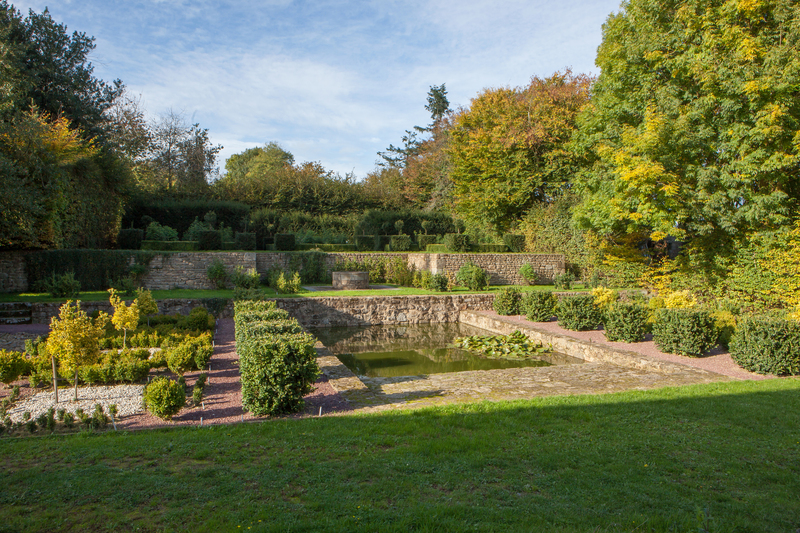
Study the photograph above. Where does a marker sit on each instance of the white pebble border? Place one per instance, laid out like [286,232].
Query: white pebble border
[127,397]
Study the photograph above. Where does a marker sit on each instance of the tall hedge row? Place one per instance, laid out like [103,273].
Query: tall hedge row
[95,269]
[277,361]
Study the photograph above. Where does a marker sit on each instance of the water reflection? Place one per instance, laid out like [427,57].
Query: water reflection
[390,351]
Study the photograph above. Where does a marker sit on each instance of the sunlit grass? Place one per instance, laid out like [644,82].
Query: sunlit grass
[718,458]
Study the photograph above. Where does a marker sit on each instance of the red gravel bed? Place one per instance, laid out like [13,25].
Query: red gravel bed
[718,360]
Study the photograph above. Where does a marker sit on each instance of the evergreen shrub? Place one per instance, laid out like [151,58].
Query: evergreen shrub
[400,243]
[767,345]
[62,286]
[218,274]
[528,273]
[508,301]
[684,331]
[164,398]
[563,281]
[456,242]
[473,277]
[438,283]
[626,322]
[12,365]
[578,313]
[130,239]
[284,242]
[539,306]
[157,232]
[425,240]
[209,240]
[365,243]
[515,243]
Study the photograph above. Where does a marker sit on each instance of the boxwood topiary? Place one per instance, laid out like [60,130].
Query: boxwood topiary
[456,242]
[400,243]
[578,313]
[365,243]
[438,283]
[539,306]
[507,301]
[684,331]
[473,277]
[767,345]
[626,322]
[164,398]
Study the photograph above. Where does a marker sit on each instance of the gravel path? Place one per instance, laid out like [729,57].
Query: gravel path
[718,360]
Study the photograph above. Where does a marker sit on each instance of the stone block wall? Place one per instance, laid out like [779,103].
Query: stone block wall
[42,312]
[376,310]
[503,269]
[13,277]
[189,270]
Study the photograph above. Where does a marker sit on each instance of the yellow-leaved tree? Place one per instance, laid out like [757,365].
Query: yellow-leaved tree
[74,338]
[146,303]
[125,316]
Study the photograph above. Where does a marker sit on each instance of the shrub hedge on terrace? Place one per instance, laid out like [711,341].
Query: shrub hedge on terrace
[767,345]
[277,363]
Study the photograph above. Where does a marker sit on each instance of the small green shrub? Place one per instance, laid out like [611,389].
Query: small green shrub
[180,359]
[528,273]
[245,280]
[456,242]
[400,243]
[578,313]
[508,301]
[684,331]
[767,345]
[626,322]
[157,232]
[438,283]
[198,319]
[245,241]
[218,274]
[130,239]
[473,277]
[12,365]
[197,395]
[62,286]
[425,240]
[539,306]
[563,281]
[284,242]
[515,243]
[164,398]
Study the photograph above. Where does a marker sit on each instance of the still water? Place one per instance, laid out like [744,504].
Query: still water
[389,351]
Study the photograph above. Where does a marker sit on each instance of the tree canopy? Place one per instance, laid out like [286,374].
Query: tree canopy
[693,127]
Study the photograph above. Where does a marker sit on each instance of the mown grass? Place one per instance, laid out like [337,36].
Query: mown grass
[719,458]
[97,296]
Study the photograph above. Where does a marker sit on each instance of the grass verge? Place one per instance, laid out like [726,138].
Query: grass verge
[719,458]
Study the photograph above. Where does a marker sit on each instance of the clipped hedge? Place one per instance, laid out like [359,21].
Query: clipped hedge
[400,243]
[245,241]
[365,243]
[484,248]
[626,322]
[684,331]
[437,248]
[284,242]
[330,247]
[94,269]
[456,242]
[539,306]
[277,362]
[578,313]
[170,246]
[209,240]
[130,239]
[767,345]
[425,240]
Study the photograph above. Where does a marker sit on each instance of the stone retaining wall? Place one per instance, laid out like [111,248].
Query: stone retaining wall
[375,310]
[42,312]
[15,341]
[189,270]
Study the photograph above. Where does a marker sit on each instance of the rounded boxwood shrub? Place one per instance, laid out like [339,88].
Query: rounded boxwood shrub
[12,364]
[508,301]
[181,358]
[438,283]
[456,242]
[767,345]
[539,306]
[473,277]
[626,322]
[684,331]
[164,398]
[578,313]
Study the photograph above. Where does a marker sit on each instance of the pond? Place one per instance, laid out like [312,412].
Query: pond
[421,349]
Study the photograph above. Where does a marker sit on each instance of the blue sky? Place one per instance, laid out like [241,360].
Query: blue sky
[331,81]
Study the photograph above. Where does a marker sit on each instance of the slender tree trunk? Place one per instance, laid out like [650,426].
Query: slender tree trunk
[55,376]
[76,384]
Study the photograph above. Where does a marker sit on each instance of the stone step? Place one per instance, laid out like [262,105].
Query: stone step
[13,321]
[12,313]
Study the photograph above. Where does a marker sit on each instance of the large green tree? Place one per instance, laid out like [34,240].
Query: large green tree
[693,130]
[507,150]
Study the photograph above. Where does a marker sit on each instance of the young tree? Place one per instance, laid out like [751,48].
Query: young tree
[125,316]
[508,150]
[74,339]
[146,303]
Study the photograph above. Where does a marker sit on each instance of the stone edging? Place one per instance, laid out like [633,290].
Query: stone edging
[588,351]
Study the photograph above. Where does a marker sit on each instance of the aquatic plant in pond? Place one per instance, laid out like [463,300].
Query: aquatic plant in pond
[513,346]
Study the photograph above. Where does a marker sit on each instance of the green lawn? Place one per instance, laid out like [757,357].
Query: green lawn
[719,458]
[96,296]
